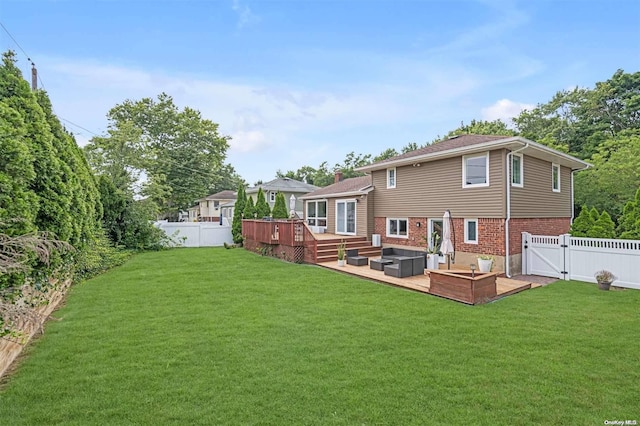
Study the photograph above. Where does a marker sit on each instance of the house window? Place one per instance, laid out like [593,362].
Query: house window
[216,204]
[516,170]
[555,177]
[391,177]
[471,231]
[317,213]
[272,197]
[475,170]
[397,228]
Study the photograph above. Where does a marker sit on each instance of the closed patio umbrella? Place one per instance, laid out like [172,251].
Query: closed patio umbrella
[292,205]
[447,246]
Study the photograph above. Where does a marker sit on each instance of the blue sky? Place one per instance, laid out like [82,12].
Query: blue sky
[301,82]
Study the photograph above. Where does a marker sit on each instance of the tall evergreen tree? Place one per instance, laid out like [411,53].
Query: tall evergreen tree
[582,224]
[262,208]
[603,227]
[280,207]
[238,212]
[629,227]
[249,211]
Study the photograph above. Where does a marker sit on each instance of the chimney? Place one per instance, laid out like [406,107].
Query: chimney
[338,177]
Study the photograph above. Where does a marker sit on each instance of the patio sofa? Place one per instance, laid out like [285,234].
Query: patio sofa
[406,262]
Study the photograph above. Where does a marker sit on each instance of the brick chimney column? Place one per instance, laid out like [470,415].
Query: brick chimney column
[338,177]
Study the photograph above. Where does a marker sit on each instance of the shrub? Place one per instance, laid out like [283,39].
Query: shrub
[280,207]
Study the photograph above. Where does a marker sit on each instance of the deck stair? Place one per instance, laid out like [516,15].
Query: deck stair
[328,249]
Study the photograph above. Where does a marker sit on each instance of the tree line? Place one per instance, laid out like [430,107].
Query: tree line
[600,125]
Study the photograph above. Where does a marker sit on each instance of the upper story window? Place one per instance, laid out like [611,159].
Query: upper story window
[391,177]
[555,177]
[272,196]
[517,166]
[216,204]
[475,170]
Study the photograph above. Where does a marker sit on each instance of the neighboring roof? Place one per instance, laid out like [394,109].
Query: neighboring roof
[351,186]
[465,144]
[284,184]
[222,195]
[229,204]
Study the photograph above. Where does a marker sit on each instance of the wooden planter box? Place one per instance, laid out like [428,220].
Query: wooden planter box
[460,286]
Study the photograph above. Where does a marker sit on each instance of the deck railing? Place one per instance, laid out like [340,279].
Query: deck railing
[291,233]
[287,232]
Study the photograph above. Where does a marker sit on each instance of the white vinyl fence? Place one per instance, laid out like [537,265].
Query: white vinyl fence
[575,258]
[201,234]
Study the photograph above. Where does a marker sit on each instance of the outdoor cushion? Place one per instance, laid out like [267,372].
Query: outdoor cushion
[354,259]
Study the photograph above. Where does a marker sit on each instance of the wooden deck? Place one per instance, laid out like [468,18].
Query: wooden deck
[504,286]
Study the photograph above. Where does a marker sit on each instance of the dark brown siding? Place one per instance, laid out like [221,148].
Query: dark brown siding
[536,198]
[432,188]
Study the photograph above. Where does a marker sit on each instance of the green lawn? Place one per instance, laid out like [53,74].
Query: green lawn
[214,336]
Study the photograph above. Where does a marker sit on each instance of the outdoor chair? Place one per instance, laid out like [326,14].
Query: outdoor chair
[354,259]
[400,268]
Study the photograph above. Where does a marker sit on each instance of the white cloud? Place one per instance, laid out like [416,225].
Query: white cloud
[245,15]
[276,125]
[247,141]
[505,110]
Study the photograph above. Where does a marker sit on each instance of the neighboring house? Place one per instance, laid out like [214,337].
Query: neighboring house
[194,213]
[208,209]
[341,208]
[495,187]
[285,185]
[226,212]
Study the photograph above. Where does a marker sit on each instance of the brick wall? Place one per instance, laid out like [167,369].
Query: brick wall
[536,226]
[416,233]
[490,233]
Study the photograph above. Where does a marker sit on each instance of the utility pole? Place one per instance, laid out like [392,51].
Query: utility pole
[34,77]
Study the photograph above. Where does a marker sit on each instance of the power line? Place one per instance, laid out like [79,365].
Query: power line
[16,42]
[78,126]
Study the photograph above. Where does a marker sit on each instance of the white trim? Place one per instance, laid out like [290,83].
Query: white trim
[466,231]
[508,143]
[326,212]
[355,218]
[363,191]
[272,196]
[521,157]
[441,258]
[395,178]
[398,219]
[553,167]
[464,170]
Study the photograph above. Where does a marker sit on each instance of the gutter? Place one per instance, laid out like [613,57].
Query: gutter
[496,144]
[363,191]
[506,222]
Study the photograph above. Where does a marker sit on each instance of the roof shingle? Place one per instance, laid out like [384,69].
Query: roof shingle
[344,186]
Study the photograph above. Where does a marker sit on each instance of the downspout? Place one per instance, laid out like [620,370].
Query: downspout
[506,222]
[572,193]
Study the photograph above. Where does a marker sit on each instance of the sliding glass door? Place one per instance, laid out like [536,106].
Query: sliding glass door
[345,217]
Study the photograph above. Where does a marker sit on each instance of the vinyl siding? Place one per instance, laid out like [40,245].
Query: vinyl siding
[432,188]
[364,224]
[536,198]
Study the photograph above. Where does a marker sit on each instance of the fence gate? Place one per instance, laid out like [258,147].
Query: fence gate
[577,258]
[544,255]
